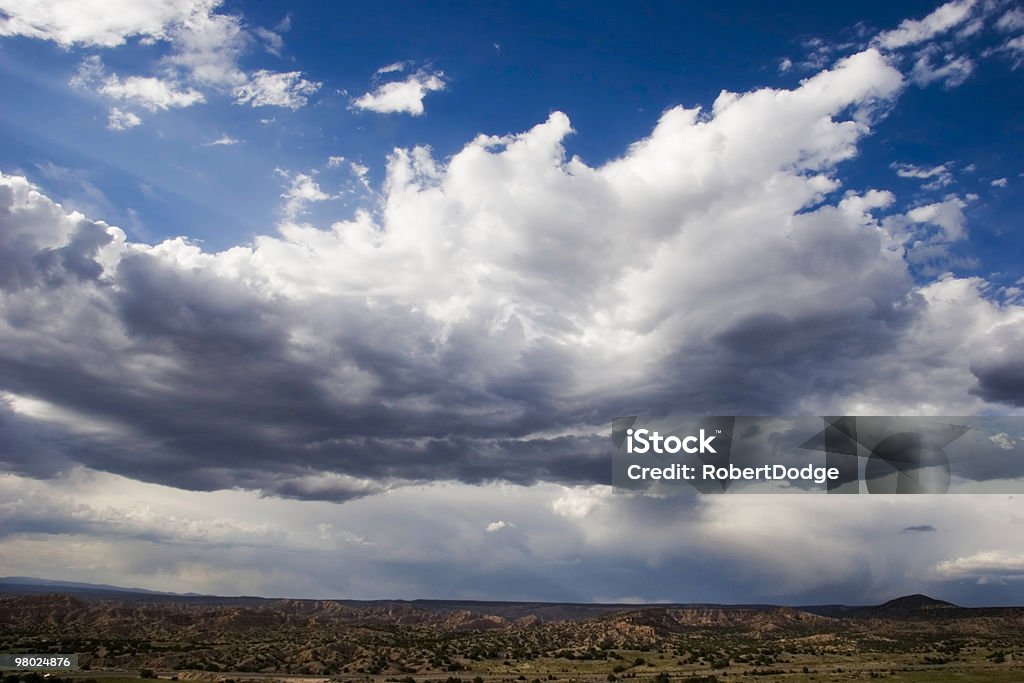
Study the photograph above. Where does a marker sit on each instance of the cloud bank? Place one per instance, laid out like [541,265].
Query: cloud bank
[499,308]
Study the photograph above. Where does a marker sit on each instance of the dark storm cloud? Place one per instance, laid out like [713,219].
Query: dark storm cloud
[767,364]
[235,410]
[1001,380]
[31,449]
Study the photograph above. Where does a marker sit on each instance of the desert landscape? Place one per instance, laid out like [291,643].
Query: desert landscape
[123,634]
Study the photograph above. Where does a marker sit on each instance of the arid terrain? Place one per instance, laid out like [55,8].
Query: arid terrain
[120,634]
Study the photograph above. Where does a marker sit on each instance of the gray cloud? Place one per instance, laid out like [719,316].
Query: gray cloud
[566,543]
[1001,381]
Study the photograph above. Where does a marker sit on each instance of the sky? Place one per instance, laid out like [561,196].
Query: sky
[339,300]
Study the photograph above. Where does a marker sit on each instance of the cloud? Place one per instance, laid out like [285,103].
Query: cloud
[207,47]
[498,526]
[45,245]
[271,89]
[952,71]
[302,189]
[986,566]
[999,182]
[203,57]
[914,31]
[1003,440]
[150,93]
[462,327]
[999,365]
[1014,46]
[401,96]
[1011,20]
[918,529]
[928,231]
[579,502]
[947,215]
[427,541]
[938,176]
[89,71]
[223,140]
[122,120]
[972,28]
[397,67]
[32,511]
[106,24]
[272,42]
[360,172]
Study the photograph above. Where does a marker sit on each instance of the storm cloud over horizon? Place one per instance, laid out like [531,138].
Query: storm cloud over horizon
[428,381]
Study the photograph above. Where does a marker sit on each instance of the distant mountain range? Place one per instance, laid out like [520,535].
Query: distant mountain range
[547,611]
[30,584]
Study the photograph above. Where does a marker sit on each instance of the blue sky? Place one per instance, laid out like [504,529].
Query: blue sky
[613,68]
[339,300]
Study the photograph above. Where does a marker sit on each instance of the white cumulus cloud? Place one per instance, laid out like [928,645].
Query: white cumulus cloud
[401,96]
